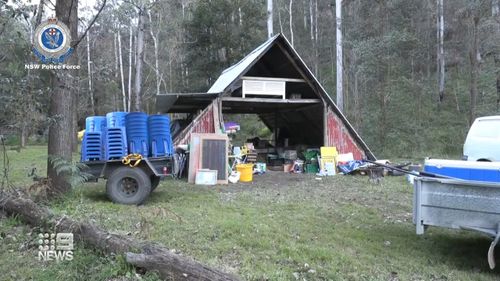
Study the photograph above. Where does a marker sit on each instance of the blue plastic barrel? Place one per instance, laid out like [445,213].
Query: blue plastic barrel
[95,124]
[137,133]
[116,119]
[159,135]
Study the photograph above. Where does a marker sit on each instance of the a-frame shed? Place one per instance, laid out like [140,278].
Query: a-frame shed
[274,83]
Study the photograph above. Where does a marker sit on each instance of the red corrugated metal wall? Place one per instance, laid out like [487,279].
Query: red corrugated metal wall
[203,123]
[338,136]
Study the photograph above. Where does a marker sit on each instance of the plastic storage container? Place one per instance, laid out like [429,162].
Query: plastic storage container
[115,143]
[92,149]
[160,138]
[95,124]
[116,119]
[137,133]
[206,177]
[312,168]
[466,170]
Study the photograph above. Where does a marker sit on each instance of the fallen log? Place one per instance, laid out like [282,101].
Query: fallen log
[149,256]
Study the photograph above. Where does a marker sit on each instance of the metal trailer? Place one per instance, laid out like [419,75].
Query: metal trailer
[458,204]
[131,184]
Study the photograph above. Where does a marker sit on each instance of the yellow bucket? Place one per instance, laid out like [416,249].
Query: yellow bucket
[246,172]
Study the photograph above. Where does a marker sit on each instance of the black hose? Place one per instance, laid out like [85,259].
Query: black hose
[424,174]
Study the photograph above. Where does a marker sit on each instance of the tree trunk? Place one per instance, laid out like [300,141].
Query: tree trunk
[311,19]
[170,266]
[270,31]
[279,19]
[139,60]
[23,133]
[117,70]
[39,13]
[240,16]
[495,13]
[440,49]
[74,110]
[130,69]
[124,96]
[311,28]
[474,69]
[157,63]
[316,39]
[290,13]
[339,58]
[61,102]
[115,47]
[89,77]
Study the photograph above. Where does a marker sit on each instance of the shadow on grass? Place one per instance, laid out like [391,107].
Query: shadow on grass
[461,250]
[97,196]
[161,195]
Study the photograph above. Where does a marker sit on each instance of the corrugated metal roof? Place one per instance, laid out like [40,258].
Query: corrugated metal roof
[233,72]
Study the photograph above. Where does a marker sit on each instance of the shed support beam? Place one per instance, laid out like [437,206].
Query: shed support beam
[270,100]
[273,79]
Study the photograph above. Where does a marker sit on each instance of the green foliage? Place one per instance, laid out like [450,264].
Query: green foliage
[18,259]
[389,49]
[74,172]
[221,32]
[251,127]
[392,53]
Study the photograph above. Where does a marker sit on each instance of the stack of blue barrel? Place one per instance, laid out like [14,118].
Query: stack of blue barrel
[137,133]
[159,135]
[116,138]
[92,149]
[121,133]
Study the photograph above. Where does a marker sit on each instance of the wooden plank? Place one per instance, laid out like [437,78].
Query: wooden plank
[201,156]
[217,123]
[194,157]
[298,80]
[187,95]
[266,100]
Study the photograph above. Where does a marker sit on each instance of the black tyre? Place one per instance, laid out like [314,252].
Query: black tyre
[155,181]
[128,185]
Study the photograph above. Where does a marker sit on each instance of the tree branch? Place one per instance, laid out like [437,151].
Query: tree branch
[91,24]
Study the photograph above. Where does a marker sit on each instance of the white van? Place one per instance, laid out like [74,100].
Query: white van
[483,140]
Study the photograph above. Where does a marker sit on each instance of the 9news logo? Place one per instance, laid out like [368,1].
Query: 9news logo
[58,247]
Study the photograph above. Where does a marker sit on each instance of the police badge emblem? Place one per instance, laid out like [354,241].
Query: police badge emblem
[52,42]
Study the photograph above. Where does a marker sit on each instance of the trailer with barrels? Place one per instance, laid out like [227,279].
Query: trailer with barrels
[132,151]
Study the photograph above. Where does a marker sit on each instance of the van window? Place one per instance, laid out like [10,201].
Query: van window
[486,129]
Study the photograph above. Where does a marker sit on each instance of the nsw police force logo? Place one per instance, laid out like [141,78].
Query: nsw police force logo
[52,42]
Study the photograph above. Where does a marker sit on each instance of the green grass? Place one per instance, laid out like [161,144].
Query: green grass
[21,164]
[278,228]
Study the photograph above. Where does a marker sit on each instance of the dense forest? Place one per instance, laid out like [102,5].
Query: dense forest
[415,72]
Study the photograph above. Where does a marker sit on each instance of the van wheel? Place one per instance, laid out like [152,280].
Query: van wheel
[129,186]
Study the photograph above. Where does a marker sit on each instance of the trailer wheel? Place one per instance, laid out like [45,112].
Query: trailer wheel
[128,186]
[155,181]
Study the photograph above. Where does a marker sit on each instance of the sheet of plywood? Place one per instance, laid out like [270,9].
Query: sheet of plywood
[209,151]
[194,157]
